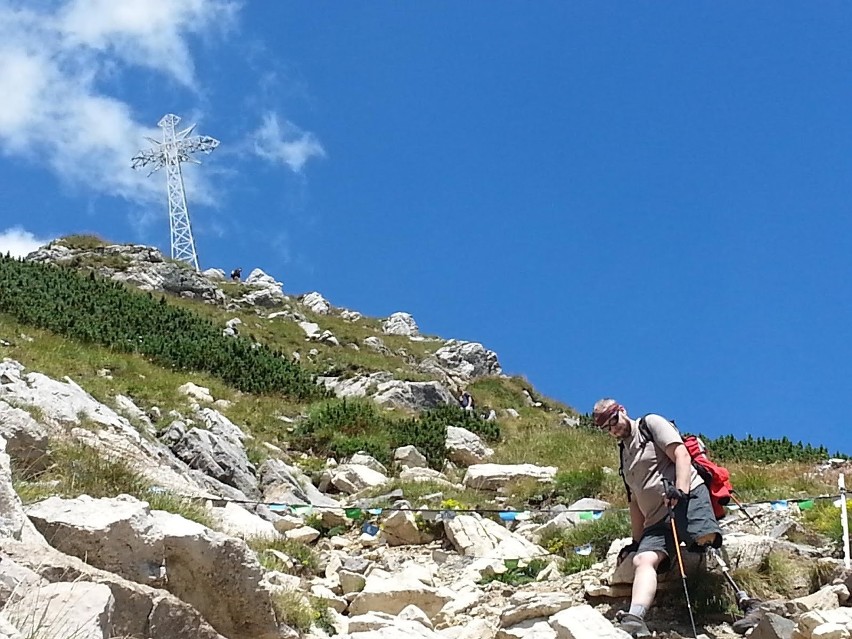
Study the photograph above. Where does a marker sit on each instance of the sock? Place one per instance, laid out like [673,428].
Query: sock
[638,610]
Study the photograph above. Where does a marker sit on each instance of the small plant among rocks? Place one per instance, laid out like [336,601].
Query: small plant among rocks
[304,559]
[517,573]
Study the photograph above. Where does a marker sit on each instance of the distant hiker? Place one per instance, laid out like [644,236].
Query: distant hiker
[466,401]
[660,480]
[236,274]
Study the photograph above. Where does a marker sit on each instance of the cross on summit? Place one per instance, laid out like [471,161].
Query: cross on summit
[176,147]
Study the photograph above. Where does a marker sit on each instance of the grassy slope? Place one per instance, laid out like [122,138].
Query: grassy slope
[537,436]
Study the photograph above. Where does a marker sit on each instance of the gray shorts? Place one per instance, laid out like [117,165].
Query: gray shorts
[694,520]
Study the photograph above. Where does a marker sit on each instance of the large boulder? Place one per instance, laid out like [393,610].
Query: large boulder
[465,448]
[359,386]
[316,303]
[416,396]
[217,452]
[283,484]
[497,476]
[266,291]
[196,564]
[28,562]
[352,478]
[390,594]
[584,622]
[463,361]
[400,324]
[26,439]
[81,610]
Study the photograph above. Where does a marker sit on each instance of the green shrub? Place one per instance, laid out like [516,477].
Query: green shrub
[76,469]
[571,485]
[342,427]
[83,242]
[600,533]
[99,311]
[824,519]
[428,434]
[574,563]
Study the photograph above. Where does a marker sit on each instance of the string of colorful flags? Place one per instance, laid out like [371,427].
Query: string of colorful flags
[372,527]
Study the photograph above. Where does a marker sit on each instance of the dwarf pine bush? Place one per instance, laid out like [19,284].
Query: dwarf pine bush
[100,311]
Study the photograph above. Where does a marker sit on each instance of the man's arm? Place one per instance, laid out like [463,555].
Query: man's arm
[637,520]
[683,465]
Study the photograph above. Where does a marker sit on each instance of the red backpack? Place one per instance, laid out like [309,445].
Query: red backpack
[716,477]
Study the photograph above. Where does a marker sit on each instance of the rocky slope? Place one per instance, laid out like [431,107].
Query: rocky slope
[334,552]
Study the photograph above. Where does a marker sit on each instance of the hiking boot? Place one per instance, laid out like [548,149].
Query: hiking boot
[634,626]
[752,614]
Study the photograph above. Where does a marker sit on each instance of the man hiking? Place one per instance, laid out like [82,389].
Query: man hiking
[660,481]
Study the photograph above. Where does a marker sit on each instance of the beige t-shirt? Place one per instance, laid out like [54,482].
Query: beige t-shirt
[646,465]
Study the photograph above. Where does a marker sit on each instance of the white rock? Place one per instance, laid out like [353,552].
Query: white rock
[584,622]
[312,329]
[351,478]
[198,393]
[496,476]
[78,610]
[465,447]
[400,324]
[316,303]
[236,521]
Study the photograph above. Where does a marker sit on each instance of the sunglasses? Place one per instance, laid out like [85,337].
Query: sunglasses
[612,421]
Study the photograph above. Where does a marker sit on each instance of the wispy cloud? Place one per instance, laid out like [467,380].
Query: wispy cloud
[18,242]
[52,64]
[285,143]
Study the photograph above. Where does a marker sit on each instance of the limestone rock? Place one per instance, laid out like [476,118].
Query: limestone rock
[465,447]
[525,606]
[528,629]
[413,395]
[400,324]
[26,439]
[772,626]
[199,564]
[584,622]
[359,386]
[409,457]
[496,476]
[351,478]
[236,521]
[391,594]
[464,361]
[316,303]
[81,610]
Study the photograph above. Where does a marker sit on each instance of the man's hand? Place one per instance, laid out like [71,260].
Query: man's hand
[633,546]
[674,495]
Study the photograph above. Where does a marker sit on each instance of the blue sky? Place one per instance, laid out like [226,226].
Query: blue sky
[649,201]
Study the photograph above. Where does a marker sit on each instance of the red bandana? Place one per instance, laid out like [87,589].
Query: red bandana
[601,419]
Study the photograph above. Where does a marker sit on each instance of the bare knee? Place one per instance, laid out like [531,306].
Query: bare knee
[647,559]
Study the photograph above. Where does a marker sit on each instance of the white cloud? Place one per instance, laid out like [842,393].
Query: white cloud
[285,143]
[53,109]
[18,242]
[144,32]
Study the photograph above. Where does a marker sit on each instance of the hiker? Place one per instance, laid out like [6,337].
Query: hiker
[660,481]
[236,274]
[466,401]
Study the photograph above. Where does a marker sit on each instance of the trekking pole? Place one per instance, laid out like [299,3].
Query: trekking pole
[741,595]
[742,508]
[682,571]
[844,518]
